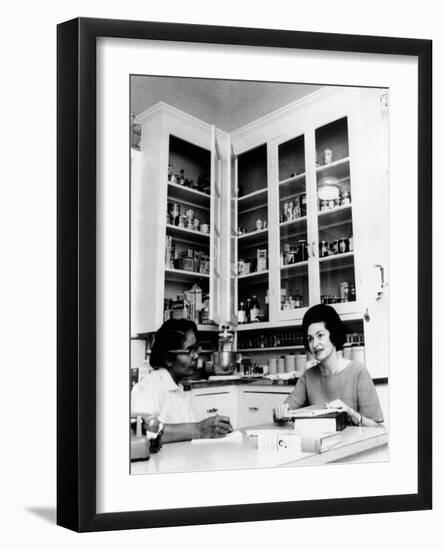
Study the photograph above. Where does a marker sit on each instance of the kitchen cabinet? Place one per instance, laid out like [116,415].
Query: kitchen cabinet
[210,401]
[297,200]
[176,219]
[316,176]
[246,405]
[256,404]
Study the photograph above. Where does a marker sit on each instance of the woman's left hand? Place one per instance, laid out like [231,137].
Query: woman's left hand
[338,404]
[354,416]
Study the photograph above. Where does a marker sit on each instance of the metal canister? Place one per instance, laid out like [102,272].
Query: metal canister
[343,246]
[323,249]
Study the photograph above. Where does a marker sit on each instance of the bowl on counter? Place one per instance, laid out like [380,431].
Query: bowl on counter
[224,362]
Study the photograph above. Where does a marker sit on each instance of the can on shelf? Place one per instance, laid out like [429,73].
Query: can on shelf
[323,249]
[343,246]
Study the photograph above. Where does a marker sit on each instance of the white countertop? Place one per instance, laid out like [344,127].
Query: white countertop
[190,456]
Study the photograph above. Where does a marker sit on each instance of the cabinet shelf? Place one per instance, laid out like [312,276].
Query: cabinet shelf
[291,187]
[257,276]
[252,201]
[334,217]
[336,261]
[189,196]
[253,238]
[274,348]
[180,275]
[291,267]
[187,235]
[291,223]
[338,169]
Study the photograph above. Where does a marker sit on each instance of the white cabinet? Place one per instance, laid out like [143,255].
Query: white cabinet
[246,405]
[256,404]
[210,401]
[300,195]
[317,173]
[176,217]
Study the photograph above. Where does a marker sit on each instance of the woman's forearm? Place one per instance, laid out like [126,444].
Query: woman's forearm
[368,422]
[179,432]
[360,420]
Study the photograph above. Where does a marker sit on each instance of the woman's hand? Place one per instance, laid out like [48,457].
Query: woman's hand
[214,426]
[338,404]
[281,413]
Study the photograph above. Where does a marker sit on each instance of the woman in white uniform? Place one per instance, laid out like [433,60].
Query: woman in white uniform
[173,357]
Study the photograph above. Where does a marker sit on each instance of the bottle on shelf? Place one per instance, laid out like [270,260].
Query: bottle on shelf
[248,310]
[255,310]
[352,295]
[241,314]
[266,312]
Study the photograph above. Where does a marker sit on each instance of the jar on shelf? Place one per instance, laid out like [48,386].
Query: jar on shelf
[345,198]
[327,156]
[343,246]
[323,249]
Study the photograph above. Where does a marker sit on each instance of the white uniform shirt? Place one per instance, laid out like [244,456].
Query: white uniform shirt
[157,394]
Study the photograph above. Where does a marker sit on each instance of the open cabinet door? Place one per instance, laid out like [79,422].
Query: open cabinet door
[370,125]
[215,232]
[232,187]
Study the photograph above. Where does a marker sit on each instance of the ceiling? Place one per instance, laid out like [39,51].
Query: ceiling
[228,104]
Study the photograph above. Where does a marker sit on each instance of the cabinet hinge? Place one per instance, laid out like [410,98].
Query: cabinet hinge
[384,103]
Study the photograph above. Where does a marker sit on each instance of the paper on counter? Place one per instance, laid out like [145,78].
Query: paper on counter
[276,440]
[233,437]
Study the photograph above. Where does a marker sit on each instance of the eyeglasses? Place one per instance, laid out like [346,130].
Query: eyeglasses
[192,349]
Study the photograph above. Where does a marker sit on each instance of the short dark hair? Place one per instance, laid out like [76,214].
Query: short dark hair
[326,314]
[171,335]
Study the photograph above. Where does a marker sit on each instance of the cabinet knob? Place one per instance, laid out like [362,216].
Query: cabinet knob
[253,409]
[211,411]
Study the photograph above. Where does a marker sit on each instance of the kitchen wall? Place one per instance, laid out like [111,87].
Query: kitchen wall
[226,104]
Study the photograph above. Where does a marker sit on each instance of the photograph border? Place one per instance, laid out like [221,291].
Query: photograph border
[77,258]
